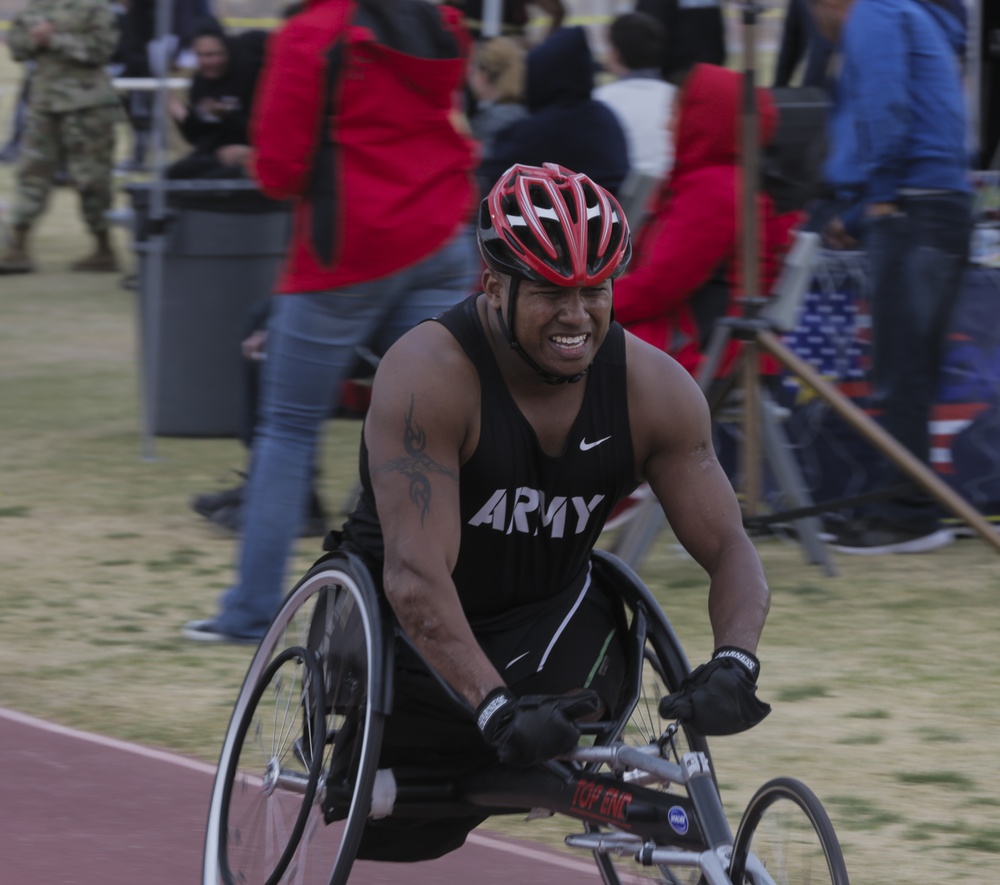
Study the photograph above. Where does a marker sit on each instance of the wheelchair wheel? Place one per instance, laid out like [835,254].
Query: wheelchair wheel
[333,613]
[662,666]
[272,775]
[786,838]
[643,727]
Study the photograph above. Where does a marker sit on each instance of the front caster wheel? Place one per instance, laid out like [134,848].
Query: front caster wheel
[786,838]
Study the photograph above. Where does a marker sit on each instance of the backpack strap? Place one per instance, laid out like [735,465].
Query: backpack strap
[413,27]
[323,185]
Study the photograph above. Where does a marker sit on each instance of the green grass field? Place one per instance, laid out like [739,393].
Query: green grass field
[883,679]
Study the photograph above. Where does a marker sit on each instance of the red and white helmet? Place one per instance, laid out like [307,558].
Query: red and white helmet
[546,223]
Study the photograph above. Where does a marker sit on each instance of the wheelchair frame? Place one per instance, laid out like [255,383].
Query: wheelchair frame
[338,665]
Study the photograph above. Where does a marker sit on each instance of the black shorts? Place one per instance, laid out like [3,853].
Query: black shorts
[571,642]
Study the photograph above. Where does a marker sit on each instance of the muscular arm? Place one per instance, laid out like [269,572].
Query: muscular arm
[882,102]
[422,399]
[679,463]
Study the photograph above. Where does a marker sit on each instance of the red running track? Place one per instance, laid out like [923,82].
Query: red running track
[82,809]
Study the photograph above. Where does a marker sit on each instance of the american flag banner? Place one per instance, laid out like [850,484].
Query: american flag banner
[834,335]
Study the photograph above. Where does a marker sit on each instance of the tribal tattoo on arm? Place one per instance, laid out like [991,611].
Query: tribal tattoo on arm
[416,465]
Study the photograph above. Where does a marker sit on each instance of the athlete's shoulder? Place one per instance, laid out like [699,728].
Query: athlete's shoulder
[424,384]
[429,344]
[648,366]
[428,359]
[662,395]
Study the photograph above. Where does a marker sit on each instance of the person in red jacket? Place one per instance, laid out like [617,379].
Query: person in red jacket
[353,123]
[686,271]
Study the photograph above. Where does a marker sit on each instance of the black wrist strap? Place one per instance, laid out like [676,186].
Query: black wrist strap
[497,701]
[746,658]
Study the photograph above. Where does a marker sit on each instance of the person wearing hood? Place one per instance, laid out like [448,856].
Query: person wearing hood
[686,268]
[565,125]
[898,144]
[216,116]
[354,123]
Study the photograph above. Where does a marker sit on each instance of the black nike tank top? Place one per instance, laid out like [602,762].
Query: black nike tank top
[529,520]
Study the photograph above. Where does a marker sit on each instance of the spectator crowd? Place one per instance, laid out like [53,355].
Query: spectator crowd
[654,117]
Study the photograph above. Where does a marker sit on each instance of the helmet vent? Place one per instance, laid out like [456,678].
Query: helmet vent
[549,224]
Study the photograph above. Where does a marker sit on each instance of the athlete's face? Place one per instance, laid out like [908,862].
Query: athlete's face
[212,55]
[560,327]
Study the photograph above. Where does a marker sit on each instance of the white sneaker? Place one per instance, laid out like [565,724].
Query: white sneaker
[876,540]
[207,631]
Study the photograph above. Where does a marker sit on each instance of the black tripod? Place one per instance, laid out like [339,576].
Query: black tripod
[743,398]
[762,433]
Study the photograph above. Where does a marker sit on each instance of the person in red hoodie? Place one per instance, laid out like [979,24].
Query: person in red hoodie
[686,271]
[354,123]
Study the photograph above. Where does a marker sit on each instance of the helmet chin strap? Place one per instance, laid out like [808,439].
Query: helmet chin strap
[547,377]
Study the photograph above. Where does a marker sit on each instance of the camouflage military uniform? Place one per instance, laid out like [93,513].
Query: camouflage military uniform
[73,107]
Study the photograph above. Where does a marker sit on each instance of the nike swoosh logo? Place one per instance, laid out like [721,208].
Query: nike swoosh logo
[586,446]
[511,664]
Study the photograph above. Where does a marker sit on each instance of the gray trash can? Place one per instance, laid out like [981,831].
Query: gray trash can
[223,245]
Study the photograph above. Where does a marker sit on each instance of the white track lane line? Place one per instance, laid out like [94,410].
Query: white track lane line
[111,743]
[195,765]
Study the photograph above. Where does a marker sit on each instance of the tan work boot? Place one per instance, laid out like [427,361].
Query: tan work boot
[15,258]
[102,259]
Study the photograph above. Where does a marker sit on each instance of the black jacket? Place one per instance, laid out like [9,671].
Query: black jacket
[694,35]
[236,88]
[564,124]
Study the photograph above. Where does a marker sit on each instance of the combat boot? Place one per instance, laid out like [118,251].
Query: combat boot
[15,258]
[103,258]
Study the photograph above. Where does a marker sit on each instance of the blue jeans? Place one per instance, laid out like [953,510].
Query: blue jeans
[917,258]
[311,350]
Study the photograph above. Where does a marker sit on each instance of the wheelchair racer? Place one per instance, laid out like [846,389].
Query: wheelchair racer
[499,438]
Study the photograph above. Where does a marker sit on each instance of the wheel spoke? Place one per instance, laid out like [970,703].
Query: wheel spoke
[266,818]
[643,727]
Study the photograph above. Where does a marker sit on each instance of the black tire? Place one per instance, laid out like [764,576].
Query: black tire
[664,666]
[333,612]
[270,781]
[786,830]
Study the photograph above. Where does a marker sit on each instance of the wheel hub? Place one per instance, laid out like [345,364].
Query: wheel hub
[271,773]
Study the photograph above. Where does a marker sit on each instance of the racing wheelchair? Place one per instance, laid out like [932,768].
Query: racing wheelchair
[308,723]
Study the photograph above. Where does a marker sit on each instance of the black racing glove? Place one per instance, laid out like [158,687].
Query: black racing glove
[719,697]
[534,728]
